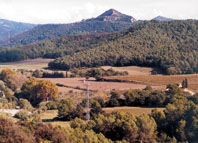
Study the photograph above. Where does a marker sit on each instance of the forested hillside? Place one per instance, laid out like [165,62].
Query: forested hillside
[172,46]
[109,21]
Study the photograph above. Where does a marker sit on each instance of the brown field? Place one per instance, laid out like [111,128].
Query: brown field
[133,70]
[161,79]
[135,110]
[97,86]
[32,64]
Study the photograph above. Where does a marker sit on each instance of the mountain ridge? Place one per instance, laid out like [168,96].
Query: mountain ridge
[116,21]
[10,28]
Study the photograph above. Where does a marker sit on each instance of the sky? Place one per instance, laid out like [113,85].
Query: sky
[68,11]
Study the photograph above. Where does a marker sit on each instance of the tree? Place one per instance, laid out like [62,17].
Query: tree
[147,129]
[5,92]
[66,109]
[173,89]
[7,76]
[114,99]
[12,79]
[185,83]
[37,91]
[131,97]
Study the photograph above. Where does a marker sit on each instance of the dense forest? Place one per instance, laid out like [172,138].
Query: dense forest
[172,46]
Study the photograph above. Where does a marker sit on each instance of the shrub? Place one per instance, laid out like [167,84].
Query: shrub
[22,115]
[25,104]
[47,132]
[11,133]
[51,105]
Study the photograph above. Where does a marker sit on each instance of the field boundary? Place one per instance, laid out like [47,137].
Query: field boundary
[128,81]
[79,88]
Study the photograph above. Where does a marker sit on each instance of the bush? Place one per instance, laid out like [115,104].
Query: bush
[37,73]
[25,104]
[42,106]
[22,115]
[51,105]
[12,133]
[49,133]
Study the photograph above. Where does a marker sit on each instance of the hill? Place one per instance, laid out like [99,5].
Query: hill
[10,28]
[161,18]
[171,46]
[109,21]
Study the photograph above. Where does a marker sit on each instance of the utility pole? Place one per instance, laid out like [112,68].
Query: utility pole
[88,112]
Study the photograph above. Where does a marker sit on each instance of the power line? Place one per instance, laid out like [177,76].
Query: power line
[88,111]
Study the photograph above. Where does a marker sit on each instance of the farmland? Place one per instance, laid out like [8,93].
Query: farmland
[161,79]
[96,86]
[32,64]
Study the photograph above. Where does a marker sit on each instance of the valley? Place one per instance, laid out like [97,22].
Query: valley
[107,79]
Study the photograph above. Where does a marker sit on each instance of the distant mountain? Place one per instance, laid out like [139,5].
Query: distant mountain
[11,28]
[161,18]
[113,15]
[109,21]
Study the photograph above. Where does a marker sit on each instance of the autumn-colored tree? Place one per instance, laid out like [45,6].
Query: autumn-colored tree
[37,91]
[12,79]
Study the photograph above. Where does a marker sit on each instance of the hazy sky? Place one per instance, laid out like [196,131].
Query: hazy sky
[67,11]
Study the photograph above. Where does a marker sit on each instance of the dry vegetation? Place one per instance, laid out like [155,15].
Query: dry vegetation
[48,115]
[27,64]
[135,110]
[133,70]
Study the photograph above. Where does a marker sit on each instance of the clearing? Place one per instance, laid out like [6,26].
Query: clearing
[48,115]
[135,110]
[134,70]
[32,64]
